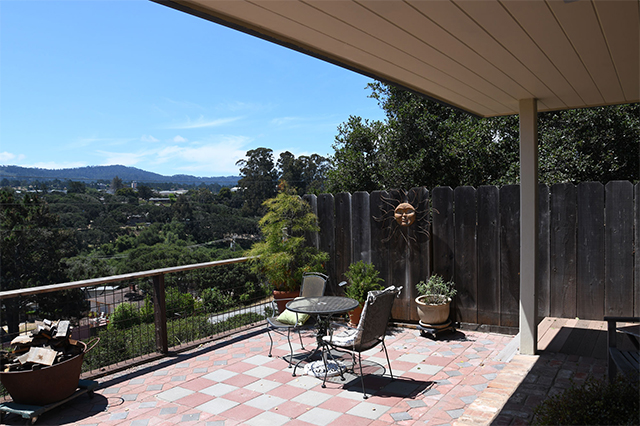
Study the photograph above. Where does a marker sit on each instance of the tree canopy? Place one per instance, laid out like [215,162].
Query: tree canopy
[260,176]
[424,143]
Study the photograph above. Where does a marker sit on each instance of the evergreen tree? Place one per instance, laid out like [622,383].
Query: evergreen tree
[259,179]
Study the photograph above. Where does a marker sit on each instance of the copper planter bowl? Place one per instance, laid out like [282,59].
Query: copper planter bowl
[46,385]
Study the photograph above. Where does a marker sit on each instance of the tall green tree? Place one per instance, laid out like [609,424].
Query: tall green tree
[32,248]
[259,179]
[290,170]
[590,144]
[424,143]
[314,173]
[358,162]
[145,192]
[306,174]
[76,187]
[116,183]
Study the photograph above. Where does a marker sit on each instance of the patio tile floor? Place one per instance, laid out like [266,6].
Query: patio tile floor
[462,378]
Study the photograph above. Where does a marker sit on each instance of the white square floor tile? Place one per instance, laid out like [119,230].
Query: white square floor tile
[216,406]
[319,416]
[368,410]
[258,360]
[218,389]
[265,402]
[415,358]
[174,394]
[312,398]
[268,419]
[304,382]
[219,375]
[261,372]
[262,386]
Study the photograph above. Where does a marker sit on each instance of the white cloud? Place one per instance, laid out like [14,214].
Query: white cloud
[179,138]
[202,122]
[247,106]
[53,165]
[6,157]
[85,142]
[281,121]
[148,138]
[122,158]
[212,158]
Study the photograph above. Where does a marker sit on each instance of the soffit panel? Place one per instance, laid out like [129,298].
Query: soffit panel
[482,55]
[397,47]
[420,27]
[618,20]
[497,22]
[581,25]
[555,45]
[461,26]
[294,29]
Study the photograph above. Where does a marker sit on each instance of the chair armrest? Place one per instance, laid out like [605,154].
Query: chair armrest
[274,304]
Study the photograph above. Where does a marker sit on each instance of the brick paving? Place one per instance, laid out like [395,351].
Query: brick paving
[462,378]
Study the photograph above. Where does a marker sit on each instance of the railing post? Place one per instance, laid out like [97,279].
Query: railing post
[160,314]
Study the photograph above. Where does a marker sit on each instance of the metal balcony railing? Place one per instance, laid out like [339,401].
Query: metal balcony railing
[141,315]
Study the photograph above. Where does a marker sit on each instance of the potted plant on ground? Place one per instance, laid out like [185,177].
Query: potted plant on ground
[362,278]
[283,256]
[434,301]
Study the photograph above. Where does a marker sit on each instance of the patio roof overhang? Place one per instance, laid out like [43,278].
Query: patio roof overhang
[481,56]
[486,57]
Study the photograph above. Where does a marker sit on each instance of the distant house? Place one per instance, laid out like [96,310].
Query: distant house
[160,200]
[176,192]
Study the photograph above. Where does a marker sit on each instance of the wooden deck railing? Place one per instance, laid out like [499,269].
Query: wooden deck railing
[158,278]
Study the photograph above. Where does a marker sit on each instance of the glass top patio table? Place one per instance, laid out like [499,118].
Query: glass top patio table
[324,305]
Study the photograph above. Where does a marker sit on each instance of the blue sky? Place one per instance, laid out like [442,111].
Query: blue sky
[131,82]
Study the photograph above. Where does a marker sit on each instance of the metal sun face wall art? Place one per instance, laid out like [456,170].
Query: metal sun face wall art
[399,214]
[405,214]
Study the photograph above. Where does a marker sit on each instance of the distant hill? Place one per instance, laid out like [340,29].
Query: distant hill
[94,173]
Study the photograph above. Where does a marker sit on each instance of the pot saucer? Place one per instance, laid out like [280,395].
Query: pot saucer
[435,326]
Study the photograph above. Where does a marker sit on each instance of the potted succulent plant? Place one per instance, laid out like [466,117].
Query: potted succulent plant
[434,301]
[362,278]
[283,256]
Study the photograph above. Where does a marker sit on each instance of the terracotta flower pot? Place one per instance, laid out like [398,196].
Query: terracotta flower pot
[283,297]
[433,314]
[354,316]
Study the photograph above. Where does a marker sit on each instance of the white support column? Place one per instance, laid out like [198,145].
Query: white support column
[528,225]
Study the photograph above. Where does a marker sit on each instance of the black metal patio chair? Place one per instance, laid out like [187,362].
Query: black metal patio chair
[371,329]
[313,285]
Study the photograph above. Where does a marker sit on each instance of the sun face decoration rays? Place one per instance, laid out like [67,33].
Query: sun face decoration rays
[405,214]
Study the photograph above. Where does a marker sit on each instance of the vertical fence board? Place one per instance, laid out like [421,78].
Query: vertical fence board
[574,276]
[379,224]
[398,255]
[327,239]
[619,248]
[312,237]
[563,251]
[465,271]
[509,255]
[360,227]
[543,272]
[590,258]
[442,232]
[488,255]
[419,254]
[636,255]
[343,234]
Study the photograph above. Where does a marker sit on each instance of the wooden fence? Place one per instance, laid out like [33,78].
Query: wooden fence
[587,238]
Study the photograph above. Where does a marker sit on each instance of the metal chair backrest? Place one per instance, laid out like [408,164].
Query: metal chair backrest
[376,313]
[313,284]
